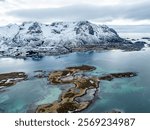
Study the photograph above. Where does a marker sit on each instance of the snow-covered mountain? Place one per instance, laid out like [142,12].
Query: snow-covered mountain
[33,38]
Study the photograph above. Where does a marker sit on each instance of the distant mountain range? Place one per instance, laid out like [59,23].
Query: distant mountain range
[33,38]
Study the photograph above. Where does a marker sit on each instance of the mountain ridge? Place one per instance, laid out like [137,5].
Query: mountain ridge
[33,38]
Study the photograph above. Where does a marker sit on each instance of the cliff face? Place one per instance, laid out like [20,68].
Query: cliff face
[32,38]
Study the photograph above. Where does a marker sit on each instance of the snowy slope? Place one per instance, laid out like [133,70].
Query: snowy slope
[32,38]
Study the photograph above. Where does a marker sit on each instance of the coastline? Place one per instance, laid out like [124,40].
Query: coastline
[83,49]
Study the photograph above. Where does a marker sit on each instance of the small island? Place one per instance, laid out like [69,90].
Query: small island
[10,79]
[73,99]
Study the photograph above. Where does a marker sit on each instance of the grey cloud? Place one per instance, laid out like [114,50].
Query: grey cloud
[139,12]
[86,12]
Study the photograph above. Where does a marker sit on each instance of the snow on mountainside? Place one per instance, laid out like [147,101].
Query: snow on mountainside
[33,38]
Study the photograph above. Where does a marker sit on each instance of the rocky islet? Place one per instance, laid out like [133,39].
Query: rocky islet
[68,100]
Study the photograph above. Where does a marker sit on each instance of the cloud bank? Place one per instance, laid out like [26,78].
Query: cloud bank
[94,10]
[84,12]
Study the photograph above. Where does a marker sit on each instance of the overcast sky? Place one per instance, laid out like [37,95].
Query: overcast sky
[111,12]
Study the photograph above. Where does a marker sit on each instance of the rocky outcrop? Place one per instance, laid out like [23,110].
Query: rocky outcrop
[10,79]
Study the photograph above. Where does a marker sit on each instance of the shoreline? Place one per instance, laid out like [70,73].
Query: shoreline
[97,48]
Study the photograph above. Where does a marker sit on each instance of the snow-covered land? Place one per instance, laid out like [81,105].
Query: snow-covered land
[33,38]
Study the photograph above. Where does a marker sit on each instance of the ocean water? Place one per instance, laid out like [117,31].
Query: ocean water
[127,94]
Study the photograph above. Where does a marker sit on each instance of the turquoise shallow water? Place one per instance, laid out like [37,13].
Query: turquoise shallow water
[127,94]
[27,95]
